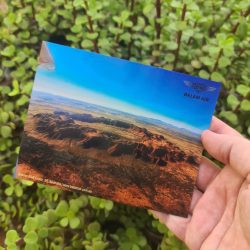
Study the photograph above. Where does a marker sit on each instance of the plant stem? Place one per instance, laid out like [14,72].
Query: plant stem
[74,13]
[117,38]
[191,38]
[213,31]
[235,27]
[133,18]
[157,27]
[91,28]
[132,5]
[241,51]
[179,35]
[33,12]
[217,60]
[158,16]
[22,3]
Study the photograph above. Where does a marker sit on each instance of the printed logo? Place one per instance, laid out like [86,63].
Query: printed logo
[199,87]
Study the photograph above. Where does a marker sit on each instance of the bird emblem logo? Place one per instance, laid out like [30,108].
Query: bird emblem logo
[199,87]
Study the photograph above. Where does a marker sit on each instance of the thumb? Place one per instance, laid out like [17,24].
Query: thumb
[244,208]
[229,149]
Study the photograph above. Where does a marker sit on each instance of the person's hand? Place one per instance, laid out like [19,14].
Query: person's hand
[220,210]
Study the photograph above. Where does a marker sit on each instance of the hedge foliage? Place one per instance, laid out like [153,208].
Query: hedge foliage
[208,38]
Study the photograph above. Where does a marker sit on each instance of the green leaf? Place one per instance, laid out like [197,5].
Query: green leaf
[8,106]
[148,8]
[74,222]
[32,63]
[92,36]
[213,51]
[11,237]
[31,246]
[8,63]
[8,51]
[99,245]
[80,19]
[232,101]
[171,45]
[43,233]
[131,233]
[64,222]
[12,246]
[203,74]
[62,209]
[26,183]
[94,226]
[18,190]
[242,30]
[8,179]
[142,241]
[248,130]
[125,15]
[207,61]
[22,100]
[26,89]
[229,52]
[31,237]
[31,224]
[170,57]
[243,90]
[226,43]
[245,105]
[115,30]
[42,220]
[223,62]
[87,43]
[6,131]
[230,117]
[216,76]
[4,117]
[181,25]
[126,37]
[109,205]
[156,53]
[76,28]
[15,90]
[78,3]
[72,38]
[54,232]
[196,64]
[51,215]
[135,247]
[75,205]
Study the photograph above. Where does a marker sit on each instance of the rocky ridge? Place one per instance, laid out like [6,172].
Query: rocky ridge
[61,125]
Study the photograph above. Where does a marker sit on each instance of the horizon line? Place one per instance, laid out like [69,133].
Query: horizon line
[169,121]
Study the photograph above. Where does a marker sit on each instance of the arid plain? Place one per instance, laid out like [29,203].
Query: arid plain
[110,154]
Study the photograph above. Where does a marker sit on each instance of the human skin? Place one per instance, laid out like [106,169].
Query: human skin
[219,216]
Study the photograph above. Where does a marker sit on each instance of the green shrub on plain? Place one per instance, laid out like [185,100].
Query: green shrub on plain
[209,39]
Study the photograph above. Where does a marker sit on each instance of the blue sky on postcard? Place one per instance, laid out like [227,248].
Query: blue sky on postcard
[126,86]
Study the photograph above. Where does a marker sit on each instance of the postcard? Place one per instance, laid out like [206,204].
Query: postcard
[115,129]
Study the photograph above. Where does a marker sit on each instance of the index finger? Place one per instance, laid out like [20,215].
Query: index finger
[228,149]
[221,127]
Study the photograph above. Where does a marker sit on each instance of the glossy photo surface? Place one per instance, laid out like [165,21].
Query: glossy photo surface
[115,129]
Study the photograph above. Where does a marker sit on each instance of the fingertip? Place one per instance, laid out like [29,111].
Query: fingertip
[205,135]
[212,143]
